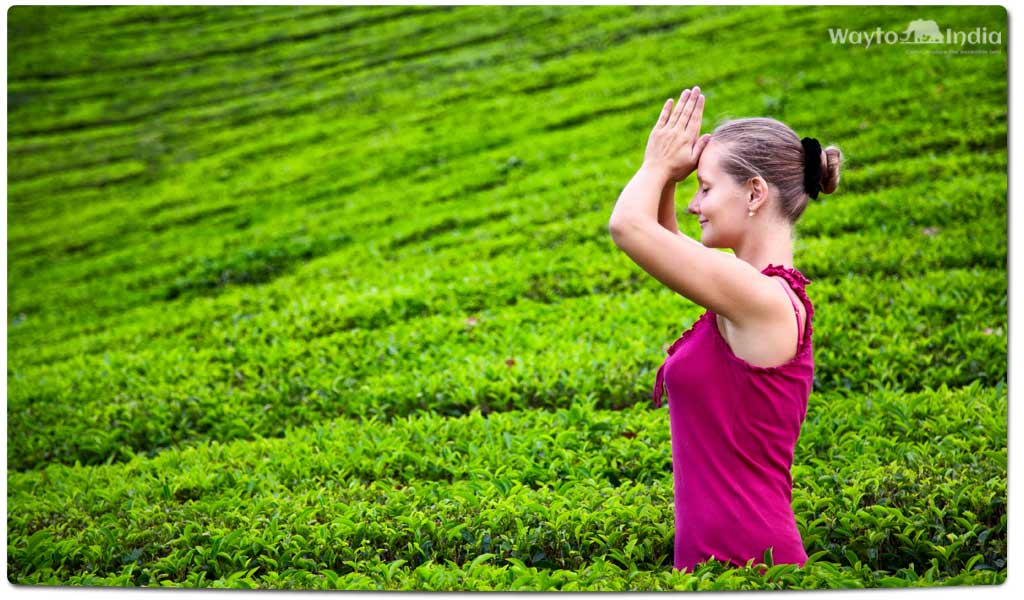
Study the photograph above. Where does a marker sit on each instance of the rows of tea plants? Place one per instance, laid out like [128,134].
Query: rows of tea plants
[262,373]
[324,297]
[553,488]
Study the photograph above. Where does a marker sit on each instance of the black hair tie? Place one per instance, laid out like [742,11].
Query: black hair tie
[812,166]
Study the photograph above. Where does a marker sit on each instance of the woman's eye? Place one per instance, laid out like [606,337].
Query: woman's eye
[705,190]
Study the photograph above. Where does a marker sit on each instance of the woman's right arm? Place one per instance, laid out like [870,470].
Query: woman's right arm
[667,207]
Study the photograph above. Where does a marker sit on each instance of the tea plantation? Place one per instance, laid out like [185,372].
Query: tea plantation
[324,297]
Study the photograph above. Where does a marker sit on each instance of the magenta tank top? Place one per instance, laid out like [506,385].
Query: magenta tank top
[734,427]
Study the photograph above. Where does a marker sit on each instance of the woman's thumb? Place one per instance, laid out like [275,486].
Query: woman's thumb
[702,142]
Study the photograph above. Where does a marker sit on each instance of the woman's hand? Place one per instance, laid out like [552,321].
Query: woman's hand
[675,143]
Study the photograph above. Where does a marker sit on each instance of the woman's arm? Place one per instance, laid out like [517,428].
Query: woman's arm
[667,207]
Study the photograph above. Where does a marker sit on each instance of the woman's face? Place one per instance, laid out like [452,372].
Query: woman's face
[720,203]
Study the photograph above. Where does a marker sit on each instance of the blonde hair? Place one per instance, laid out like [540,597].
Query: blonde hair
[764,147]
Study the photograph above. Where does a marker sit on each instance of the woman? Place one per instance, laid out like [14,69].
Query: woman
[739,379]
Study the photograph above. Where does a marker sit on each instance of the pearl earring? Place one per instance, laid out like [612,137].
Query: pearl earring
[750,214]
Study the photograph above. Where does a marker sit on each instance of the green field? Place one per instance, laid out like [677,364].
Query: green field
[325,298]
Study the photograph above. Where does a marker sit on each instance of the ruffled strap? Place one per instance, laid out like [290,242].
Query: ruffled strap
[793,276]
[797,281]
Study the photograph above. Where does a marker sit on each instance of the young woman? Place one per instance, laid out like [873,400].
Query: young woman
[739,379]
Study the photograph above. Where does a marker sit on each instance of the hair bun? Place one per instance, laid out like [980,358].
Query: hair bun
[833,160]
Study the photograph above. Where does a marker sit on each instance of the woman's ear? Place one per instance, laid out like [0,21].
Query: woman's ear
[758,194]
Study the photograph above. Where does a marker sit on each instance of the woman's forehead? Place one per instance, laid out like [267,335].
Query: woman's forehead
[706,166]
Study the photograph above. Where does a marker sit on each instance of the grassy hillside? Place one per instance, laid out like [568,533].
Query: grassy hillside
[324,296]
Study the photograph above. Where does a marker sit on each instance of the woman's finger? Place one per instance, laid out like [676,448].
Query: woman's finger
[696,118]
[691,102]
[666,112]
[679,108]
[701,144]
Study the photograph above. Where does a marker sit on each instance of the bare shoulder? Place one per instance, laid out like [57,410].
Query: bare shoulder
[795,299]
[776,326]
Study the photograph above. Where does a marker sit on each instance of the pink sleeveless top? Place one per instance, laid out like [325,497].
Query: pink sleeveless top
[734,427]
